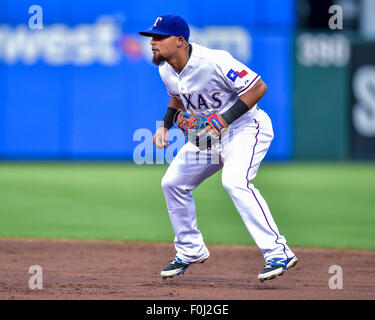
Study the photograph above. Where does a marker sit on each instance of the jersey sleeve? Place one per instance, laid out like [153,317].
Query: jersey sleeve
[237,77]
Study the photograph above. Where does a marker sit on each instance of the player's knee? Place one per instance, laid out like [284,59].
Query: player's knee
[174,186]
[168,183]
[231,182]
[165,183]
[227,182]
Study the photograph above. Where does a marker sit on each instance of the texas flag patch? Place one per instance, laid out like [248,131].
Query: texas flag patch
[232,75]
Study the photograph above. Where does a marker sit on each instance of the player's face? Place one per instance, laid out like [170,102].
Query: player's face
[163,48]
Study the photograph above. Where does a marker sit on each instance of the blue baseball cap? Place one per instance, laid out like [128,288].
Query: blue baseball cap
[168,25]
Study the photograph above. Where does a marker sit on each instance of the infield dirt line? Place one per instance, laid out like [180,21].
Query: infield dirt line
[83,270]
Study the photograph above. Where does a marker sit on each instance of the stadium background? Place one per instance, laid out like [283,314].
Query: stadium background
[73,94]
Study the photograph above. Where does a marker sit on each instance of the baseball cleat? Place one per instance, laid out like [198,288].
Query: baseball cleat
[178,267]
[276,267]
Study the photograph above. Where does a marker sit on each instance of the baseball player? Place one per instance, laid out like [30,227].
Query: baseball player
[211,87]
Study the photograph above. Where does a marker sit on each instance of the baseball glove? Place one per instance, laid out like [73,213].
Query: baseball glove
[194,126]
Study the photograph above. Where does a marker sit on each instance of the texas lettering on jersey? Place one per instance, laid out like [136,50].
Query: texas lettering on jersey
[211,80]
[199,102]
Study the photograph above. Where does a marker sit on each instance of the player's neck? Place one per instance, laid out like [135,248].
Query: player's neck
[181,59]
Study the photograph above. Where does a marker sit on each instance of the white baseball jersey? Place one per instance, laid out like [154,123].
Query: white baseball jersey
[212,80]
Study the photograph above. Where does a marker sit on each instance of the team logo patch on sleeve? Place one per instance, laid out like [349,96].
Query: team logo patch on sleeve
[242,73]
[232,75]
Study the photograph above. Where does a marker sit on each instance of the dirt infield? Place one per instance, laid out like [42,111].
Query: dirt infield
[85,270]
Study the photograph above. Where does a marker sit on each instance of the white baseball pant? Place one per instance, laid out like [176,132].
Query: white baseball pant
[238,155]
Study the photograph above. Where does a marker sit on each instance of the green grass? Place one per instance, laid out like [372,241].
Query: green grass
[314,205]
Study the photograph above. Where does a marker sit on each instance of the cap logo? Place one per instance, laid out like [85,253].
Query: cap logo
[157,21]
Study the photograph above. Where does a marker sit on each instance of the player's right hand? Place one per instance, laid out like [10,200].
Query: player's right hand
[160,138]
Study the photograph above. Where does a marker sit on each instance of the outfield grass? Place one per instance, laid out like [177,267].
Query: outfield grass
[314,205]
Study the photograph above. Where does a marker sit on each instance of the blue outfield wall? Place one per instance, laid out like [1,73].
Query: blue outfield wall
[83,85]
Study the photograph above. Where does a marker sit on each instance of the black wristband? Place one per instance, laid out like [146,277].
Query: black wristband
[168,118]
[235,111]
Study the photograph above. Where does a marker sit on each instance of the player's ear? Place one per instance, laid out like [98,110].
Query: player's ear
[180,41]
